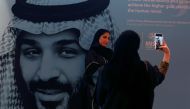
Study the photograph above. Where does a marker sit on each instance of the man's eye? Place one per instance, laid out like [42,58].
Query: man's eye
[67,52]
[31,52]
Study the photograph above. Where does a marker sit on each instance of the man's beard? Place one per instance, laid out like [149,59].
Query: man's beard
[56,95]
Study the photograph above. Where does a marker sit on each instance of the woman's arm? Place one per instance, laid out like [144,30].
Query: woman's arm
[165,49]
[163,68]
[157,73]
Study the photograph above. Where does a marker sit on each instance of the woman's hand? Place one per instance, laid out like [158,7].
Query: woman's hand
[165,49]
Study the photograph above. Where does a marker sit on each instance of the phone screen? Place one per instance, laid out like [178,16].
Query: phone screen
[158,40]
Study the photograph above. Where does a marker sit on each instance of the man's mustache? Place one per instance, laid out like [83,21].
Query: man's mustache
[50,85]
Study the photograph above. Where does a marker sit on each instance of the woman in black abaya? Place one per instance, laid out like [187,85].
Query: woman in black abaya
[99,54]
[127,82]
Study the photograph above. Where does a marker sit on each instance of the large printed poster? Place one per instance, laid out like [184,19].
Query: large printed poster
[43,45]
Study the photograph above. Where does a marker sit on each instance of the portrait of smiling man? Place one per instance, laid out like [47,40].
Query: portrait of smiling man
[43,52]
[51,66]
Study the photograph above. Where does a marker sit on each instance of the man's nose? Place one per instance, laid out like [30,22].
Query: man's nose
[48,69]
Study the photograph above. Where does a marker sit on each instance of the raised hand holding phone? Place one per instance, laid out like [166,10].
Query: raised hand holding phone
[160,44]
[165,49]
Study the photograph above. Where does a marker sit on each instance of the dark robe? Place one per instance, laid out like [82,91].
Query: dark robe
[127,82]
[96,57]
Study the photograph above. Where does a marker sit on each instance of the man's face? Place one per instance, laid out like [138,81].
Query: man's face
[51,67]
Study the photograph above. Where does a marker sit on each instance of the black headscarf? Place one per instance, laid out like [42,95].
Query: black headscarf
[95,42]
[103,51]
[127,46]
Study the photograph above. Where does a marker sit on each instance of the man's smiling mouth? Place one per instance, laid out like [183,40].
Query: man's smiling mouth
[49,91]
[51,99]
[50,94]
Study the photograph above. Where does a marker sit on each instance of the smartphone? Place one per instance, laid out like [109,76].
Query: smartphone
[158,40]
